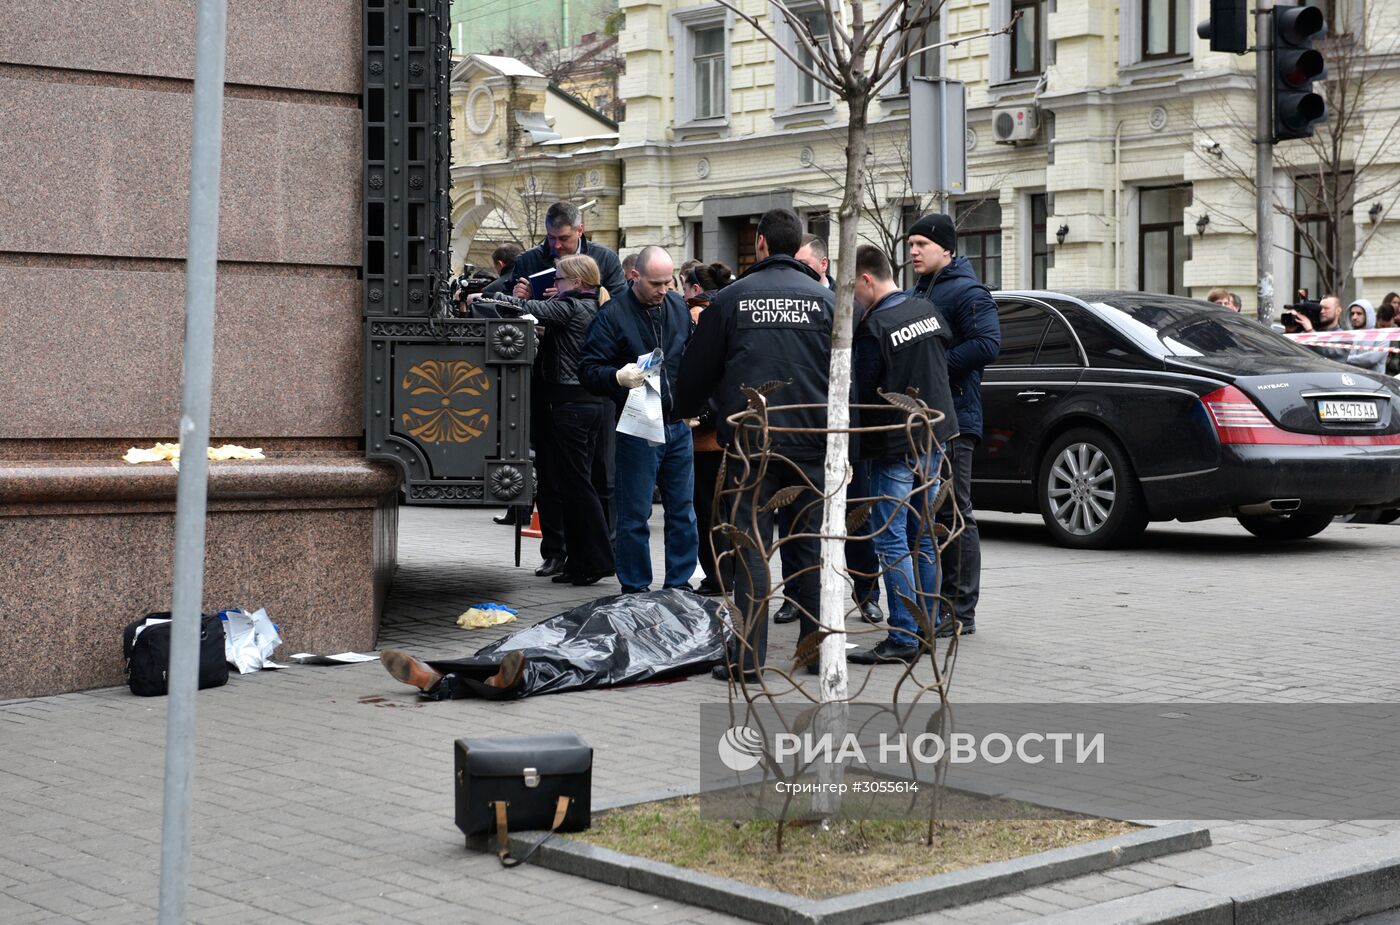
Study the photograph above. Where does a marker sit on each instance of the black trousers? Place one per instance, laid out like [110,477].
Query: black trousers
[706,471]
[580,451]
[749,578]
[962,561]
[547,500]
[860,556]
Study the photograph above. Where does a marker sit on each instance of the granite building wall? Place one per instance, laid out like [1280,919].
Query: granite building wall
[95,121]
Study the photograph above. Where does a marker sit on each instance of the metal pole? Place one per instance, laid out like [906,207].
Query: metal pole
[1264,156]
[200,273]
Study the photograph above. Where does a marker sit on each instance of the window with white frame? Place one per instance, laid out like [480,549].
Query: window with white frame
[702,65]
[708,65]
[1155,30]
[798,90]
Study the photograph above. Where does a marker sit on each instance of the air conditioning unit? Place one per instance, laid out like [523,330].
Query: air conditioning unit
[1015,123]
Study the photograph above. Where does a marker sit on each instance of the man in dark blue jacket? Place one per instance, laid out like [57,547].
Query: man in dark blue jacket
[639,319]
[949,283]
[563,228]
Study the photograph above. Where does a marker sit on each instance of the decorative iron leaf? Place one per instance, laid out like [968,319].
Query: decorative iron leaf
[809,650]
[912,391]
[856,518]
[921,618]
[755,397]
[941,498]
[783,497]
[738,539]
[772,385]
[902,402]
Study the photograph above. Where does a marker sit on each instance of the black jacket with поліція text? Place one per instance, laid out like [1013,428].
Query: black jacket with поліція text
[901,343]
[774,322]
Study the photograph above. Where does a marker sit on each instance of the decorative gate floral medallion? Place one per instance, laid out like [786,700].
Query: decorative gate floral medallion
[446,388]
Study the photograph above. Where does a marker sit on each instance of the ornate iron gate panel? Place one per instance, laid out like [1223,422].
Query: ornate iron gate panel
[447,399]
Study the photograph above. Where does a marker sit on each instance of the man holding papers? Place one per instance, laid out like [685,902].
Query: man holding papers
[643,318]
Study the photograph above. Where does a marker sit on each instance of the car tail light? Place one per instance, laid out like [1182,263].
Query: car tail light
[1238,420]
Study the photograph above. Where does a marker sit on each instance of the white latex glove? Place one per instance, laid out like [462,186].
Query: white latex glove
[631,376]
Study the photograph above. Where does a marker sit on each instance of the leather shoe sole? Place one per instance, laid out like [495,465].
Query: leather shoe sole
[409,670]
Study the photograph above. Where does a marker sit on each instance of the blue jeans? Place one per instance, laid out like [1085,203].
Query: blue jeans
[892,481]
[670,468]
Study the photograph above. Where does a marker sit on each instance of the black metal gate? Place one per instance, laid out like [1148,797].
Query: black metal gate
[446,398]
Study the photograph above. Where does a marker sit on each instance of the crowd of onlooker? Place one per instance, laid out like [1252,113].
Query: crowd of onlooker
[1327,315]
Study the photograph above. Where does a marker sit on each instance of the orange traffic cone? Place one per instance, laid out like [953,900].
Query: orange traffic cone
[534,528]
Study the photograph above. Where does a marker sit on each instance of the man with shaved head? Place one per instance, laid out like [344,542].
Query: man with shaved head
[644,316]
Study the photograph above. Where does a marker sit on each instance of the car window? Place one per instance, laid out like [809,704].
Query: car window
[1022,326]
[1182,328]
[1057,347]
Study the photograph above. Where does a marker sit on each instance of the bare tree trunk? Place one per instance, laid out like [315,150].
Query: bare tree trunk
[833,584]
[834,600]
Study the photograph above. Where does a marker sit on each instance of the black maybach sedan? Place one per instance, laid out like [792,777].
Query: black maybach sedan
[1107,410]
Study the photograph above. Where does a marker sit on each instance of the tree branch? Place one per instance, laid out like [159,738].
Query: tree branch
[831,85]
[898,64]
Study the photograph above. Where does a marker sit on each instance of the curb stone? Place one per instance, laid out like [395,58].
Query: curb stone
[1321,888]
[881,904]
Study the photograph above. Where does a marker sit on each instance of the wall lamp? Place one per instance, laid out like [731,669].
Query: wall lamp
[1375,212]
[1061,233]
[1201,224]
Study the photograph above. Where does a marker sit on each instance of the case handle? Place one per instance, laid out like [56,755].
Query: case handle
[561,809]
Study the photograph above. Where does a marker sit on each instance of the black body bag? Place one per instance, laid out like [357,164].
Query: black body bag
[148,655]
[539,783]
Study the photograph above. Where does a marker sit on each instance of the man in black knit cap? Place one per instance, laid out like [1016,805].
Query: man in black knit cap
[948,281]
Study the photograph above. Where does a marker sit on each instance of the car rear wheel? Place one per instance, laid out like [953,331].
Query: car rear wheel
[1088,494]
[1281,527]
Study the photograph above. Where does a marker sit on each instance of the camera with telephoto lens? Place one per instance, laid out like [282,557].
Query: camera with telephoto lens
[1304,306]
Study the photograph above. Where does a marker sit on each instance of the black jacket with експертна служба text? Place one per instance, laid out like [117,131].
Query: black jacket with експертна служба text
[773,323]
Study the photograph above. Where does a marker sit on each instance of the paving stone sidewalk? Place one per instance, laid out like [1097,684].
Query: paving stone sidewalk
[323,794]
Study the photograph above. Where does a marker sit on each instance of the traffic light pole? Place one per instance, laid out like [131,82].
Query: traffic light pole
[1264,156]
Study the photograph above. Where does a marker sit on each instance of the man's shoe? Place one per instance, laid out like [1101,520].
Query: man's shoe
[408,669]
[708,588]
[870,612]
[885,652]
[511,673]
[721,673]
[551,567]
[945,628]
[584,581]
[508,519]
[786,613]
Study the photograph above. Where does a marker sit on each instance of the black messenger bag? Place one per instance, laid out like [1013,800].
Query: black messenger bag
[529,783]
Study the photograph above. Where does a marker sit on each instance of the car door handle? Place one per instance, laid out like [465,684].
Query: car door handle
[1030,395]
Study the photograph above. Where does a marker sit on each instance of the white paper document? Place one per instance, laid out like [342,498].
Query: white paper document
[642,415]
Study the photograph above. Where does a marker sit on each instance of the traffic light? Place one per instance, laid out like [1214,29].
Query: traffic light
[1296,65]
[1228,26]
